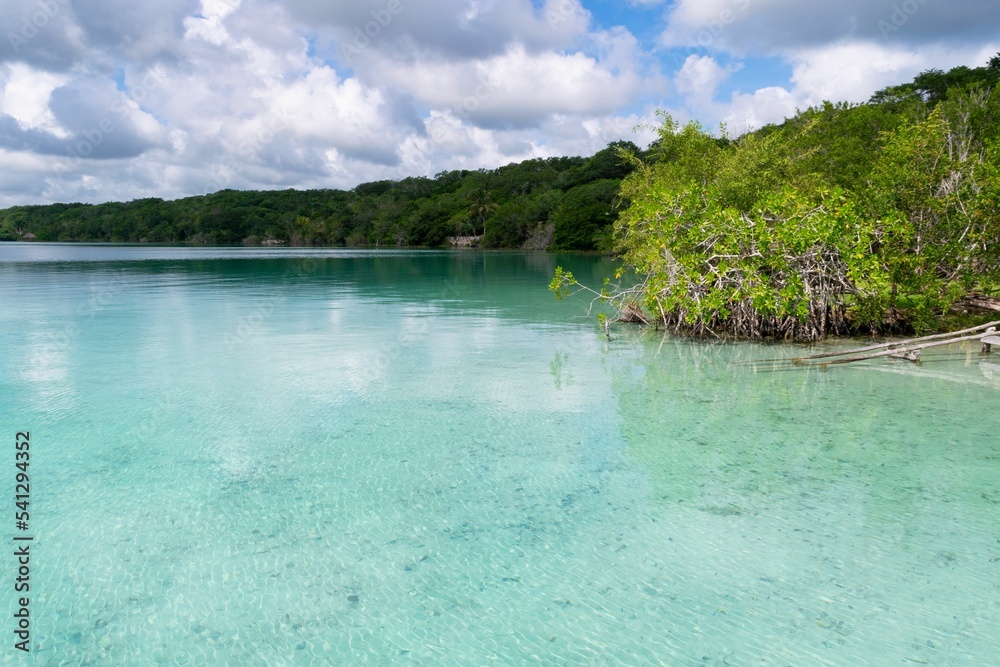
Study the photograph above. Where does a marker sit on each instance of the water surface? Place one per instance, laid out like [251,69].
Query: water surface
[298,457]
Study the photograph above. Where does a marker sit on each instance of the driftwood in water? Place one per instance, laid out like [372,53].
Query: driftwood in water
[910,352]
[899,345]
[908,355]
[901,349]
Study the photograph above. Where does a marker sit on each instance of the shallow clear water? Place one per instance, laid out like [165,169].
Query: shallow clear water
[281,457]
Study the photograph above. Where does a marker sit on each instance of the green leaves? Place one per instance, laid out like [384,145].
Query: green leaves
[585,212]
[839,221]
[561,283]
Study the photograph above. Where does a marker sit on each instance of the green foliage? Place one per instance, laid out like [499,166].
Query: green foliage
[844,218]
[779,266]
[561,283]
[934,85]
[507,205]
[942,181]
[512,223]
[606,164]
[585,212]
[836,144]
[481,206]
[685,154]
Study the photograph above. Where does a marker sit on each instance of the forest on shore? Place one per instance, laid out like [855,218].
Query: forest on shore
[555,203]
[845,219]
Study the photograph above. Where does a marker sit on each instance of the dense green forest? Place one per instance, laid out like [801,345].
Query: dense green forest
[556,203]
[844,219]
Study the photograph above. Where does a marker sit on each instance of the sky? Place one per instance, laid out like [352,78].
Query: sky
[114,100]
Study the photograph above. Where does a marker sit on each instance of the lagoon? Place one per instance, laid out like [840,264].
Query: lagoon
[348,457]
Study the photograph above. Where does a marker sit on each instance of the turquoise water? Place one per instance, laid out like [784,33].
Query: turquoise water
[281,457]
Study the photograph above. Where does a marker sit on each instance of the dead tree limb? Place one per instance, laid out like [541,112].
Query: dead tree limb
[906,351]
[896,346]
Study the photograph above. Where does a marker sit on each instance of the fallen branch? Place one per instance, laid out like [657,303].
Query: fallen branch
[912,353]
[979,302]
[631,314]
[899,345]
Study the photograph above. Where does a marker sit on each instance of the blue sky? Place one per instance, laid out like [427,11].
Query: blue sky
[113,100]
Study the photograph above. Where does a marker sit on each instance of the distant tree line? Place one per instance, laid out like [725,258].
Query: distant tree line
[556,203]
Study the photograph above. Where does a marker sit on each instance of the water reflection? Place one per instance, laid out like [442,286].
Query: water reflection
[719,433]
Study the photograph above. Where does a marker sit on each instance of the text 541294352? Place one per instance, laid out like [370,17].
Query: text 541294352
[22,541]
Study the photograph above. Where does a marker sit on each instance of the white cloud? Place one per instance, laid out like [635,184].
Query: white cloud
[746,112]
[453,28]
[24,95]
[853,71]
[849,72]
[232,93]
[838,51]
[513,88]
[769,27]
[700,77]
[266,93]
